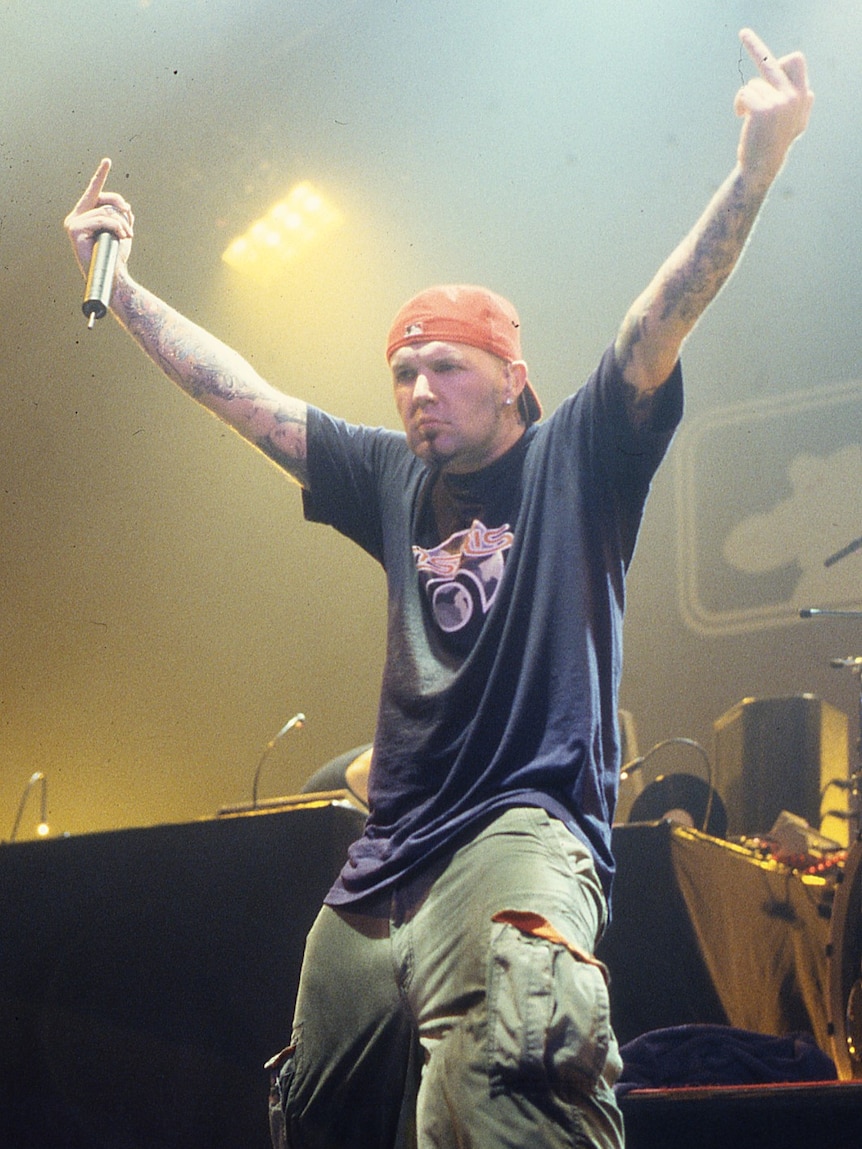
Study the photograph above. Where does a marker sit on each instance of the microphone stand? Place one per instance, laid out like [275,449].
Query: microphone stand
[642,759]
[42,830]
[850,549]
[820,612]
[854,665]
[295,723]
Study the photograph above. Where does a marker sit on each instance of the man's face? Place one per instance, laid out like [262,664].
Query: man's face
[452,399]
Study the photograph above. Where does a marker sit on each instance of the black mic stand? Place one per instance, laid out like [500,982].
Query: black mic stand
[854,665]
[295,723]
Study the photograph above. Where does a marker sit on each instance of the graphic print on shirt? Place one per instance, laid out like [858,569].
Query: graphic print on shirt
[462,575]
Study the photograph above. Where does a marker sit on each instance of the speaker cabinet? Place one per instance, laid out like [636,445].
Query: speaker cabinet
[774,754]
[147,974]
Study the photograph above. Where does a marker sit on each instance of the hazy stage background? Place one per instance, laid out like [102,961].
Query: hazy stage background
[165,608]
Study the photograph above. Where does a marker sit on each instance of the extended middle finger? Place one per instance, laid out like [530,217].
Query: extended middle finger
[766,63]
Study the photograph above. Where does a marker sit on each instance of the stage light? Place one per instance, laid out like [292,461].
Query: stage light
[288,228]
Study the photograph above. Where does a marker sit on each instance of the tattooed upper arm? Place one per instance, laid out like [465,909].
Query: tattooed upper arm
[286,442]
[639,403]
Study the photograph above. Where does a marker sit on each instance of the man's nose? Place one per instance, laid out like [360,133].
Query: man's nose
[422,392]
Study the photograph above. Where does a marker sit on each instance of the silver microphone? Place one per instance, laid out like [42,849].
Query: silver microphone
[100,280]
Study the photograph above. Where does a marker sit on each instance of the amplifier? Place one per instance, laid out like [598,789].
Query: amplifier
[774,754]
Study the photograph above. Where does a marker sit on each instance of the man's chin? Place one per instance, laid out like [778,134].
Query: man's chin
[430,450]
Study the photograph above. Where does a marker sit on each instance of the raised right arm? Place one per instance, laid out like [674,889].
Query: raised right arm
[775,107]
[205,368]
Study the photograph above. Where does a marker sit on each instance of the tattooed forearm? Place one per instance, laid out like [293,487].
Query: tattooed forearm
[653,331]
[711,255]
[216,376]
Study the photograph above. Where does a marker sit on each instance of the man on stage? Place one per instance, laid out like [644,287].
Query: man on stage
[464,922]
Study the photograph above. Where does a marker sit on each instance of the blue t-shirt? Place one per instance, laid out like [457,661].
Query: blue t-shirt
[504,639]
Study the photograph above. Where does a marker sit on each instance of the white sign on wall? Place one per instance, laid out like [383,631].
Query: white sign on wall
[769,505]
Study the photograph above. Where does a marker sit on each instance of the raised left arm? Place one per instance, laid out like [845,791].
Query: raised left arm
[775,107]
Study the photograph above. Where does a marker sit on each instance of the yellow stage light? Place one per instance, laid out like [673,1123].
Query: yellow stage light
[290,225]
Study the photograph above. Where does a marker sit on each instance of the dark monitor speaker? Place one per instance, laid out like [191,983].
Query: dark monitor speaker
[774,754]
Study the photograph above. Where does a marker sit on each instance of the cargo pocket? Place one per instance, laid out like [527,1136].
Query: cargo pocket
[548,1009]
[281,1070]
